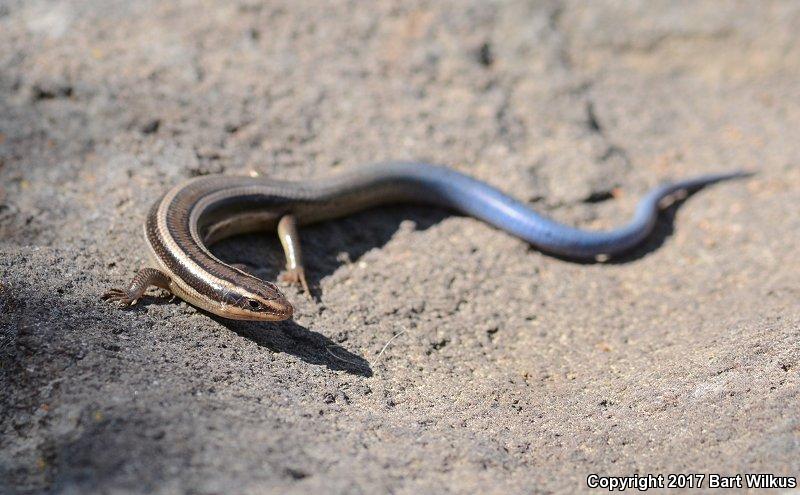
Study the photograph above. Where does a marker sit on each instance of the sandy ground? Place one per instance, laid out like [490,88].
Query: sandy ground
[506,370]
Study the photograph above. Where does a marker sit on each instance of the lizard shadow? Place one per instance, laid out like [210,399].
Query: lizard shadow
[292,338]
[283,336]
[280,336]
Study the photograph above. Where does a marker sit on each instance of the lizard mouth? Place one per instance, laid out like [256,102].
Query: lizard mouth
[279,309]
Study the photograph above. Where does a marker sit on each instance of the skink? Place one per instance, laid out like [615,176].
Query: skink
[192,216]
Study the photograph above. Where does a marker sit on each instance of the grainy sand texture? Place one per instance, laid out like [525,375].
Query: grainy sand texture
[506,370]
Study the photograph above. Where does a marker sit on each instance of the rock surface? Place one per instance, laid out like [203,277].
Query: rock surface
[442,355]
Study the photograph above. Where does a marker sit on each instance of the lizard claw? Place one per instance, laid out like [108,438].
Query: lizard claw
[119,296]
[296,276]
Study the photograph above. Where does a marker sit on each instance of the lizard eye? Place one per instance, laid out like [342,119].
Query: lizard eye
[254,304]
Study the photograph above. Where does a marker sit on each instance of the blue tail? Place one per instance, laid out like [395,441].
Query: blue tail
[480,200]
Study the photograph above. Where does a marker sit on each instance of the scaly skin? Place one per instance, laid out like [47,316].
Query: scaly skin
[204,210]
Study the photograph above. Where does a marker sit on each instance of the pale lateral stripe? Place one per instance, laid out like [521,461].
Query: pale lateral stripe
[215,282]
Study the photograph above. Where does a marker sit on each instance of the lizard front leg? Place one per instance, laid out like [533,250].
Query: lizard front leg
[143,279]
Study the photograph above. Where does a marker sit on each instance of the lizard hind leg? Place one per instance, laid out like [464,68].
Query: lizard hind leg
[290,240]
[143,279]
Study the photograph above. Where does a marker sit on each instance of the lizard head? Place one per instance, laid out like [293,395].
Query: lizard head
[255,299]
